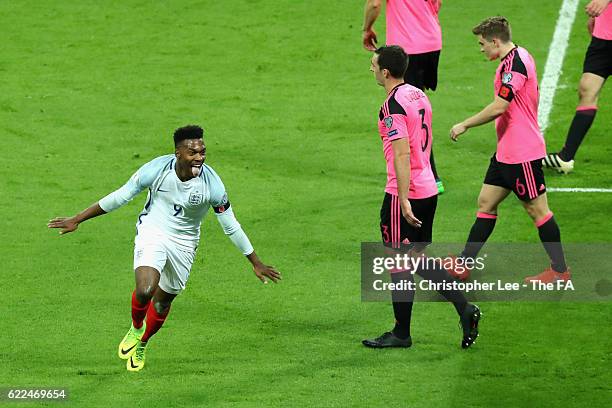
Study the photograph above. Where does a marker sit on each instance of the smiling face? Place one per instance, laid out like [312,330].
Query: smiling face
[489,48]
[190,156]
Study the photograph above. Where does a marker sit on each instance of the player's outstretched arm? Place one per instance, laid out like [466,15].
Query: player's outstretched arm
[263,271]
[69,224]
[231,228]
[140,180]
[489,113]
[371,13]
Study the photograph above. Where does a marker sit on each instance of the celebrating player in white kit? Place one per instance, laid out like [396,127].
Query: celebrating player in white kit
[181,190]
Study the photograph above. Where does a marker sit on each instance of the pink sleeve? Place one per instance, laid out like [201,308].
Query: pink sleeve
[395,126]
[512,82]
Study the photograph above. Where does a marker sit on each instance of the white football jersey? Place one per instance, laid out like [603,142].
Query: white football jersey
[173,206]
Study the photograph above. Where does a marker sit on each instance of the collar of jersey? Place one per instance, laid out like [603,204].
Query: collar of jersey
[510,52]
[395,87]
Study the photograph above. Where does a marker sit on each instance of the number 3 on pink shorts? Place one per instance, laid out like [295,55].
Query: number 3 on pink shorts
[385,231]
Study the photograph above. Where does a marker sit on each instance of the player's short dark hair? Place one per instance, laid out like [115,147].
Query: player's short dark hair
[187,132]
[494,27]
[394,59]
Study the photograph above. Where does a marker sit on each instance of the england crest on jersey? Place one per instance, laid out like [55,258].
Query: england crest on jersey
[196,198]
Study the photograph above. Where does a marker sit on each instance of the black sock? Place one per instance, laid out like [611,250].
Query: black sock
[402,305]
[578,129]
[480,232]
[432,163]
[437,274]
[550,235]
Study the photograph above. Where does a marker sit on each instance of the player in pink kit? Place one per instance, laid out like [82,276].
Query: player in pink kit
[414,26]
[597,67]
[517,164]
[411,194]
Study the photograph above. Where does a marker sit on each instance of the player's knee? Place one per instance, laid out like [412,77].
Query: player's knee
[536,212]
[144,293]
[587,94]
[531,211]
[486,206]
[161,307]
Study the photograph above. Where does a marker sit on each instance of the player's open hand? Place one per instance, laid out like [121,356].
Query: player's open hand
[596,7]
[265,272]
[409,215]
[67,224]
[369,40]
[456,131]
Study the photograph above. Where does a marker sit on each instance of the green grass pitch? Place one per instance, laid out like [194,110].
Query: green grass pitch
[91,90]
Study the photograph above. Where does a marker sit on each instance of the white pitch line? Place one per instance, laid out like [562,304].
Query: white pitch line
[578,190]
[554,61]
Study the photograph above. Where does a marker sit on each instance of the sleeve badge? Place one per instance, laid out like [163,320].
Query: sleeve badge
[504,92]
[388,122]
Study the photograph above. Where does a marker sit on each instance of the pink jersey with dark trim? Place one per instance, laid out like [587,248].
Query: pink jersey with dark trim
[414,25]
[603,24]
[406,113]
[518,134]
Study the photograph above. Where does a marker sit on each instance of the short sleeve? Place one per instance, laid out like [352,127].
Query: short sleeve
[395,121]
[511,82]
[218,196]
[146,175]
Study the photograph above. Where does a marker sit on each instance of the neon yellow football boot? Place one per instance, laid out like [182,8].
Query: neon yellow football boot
[136,361]
[130,341]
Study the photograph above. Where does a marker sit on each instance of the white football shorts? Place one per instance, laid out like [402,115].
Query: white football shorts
[172,261]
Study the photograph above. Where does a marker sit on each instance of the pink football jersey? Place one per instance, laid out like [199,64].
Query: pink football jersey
[413,25]
[518,134]
[603,24]
[406,113]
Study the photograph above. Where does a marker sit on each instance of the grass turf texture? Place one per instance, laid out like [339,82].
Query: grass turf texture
[91,91]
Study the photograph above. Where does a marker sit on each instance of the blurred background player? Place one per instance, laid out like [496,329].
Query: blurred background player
[414,26]
[411,194]
[517,164]
[596,69]
[181,190]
